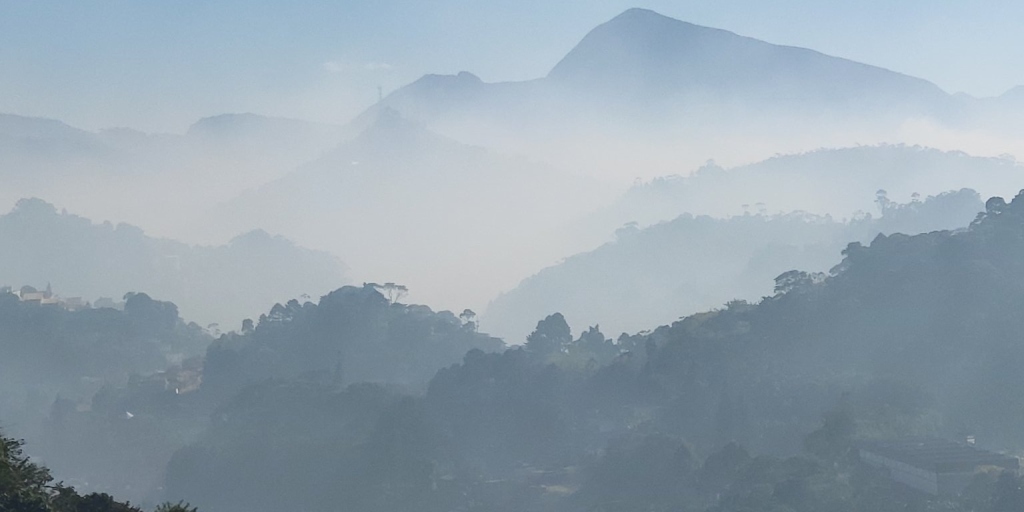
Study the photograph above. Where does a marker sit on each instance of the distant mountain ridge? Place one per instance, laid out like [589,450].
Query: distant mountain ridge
[647,92]
[157,178]
[833,181]
[643,57]
[39,245]
[641,52]
[658,273]
[403,203]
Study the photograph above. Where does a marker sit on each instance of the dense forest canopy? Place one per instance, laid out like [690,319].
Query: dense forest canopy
[51,351]
[26,486]
[354,334]
[756,406]
[107,396]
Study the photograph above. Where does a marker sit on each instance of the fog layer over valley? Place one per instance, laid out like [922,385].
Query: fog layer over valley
[159,181]
[401,202]
[320,403]
[648,94]
[682,269]
[460,188]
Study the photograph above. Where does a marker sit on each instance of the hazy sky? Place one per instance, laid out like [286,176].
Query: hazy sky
[159,65]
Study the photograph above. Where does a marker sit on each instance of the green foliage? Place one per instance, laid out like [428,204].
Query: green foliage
[643,473]
[23,484]
[27,487]
[754,406]
[834,439]
[354,334]
[551,336]
[56,351]
[180,506]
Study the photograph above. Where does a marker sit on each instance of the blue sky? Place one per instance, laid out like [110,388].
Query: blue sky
[159,65]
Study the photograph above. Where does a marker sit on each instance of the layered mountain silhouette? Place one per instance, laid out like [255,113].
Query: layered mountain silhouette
[650,92]
[642,61]
[692,263]
[742,226]
[152,179]
[48,144]
[641,54]
[834,181]
[225,283]
[32,145]
[403,203]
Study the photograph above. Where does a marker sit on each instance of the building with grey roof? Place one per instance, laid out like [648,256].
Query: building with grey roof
[934,466]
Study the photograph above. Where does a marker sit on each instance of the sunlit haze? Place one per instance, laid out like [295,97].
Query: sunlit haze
[703,256]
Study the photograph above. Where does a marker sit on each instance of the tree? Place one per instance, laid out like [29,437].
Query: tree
[552,335]
[468,317]
[1009,494]
[628,229]
[176,507]
[796,280]
[24,486]
[391,291]
[150,313]
[833,440]
[27,487]
[883,201]
[593,345]
[995,205]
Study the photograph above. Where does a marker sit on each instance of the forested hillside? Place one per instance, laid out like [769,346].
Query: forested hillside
[49,351]
[756,406]
[654,275]
[752,407]
[354,334]
[26,486]
[106,397]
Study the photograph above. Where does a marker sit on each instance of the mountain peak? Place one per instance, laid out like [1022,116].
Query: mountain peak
[642,44]
[221,122]
[1015,93]
[15,125]
[641,55]
[464,80]
[382,130]
[385,118]
[641,14]
[235,124]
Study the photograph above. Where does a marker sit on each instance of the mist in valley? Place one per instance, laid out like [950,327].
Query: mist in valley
[510,257]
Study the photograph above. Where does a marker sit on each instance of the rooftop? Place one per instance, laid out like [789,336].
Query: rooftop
[938,455]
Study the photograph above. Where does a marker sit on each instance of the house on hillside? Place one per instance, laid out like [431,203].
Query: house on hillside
[935,466]
[34,297]
[30,295]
